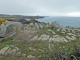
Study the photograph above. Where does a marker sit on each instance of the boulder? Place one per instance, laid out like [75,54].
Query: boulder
[31,25]
[8,29]
[55,25]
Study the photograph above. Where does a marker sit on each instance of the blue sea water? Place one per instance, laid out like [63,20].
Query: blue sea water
[63,21]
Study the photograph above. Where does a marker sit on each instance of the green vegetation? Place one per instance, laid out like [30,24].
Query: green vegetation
[41,50]
[69,53]
[5,43]
[25,22]
[10,19]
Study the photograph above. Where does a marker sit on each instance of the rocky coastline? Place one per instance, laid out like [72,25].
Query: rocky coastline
[35,37]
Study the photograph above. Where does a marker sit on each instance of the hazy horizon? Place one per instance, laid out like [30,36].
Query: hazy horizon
[42,8]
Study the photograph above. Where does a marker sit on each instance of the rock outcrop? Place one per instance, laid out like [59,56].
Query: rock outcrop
[55,25]
[7,49]
[8,29]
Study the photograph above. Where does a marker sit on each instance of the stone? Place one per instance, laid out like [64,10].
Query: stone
[24,55]
[70,34]
[58,29]
[8,51]
[64,30]
[35,37]
[55,25]
[13,51]
[43,37]
[30,56]
[41,50]
[24,25]
[30,48]
[41,26]
[31,25]
[18,53]
[51,39]
[55,35]
[53,32]
[47,25]
[49,30]
[36,25]
[74,38]
[58,39]
[4,50]
[17,48]
[68,37]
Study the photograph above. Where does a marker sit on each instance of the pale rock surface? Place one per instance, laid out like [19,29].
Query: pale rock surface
[58,29]
[35,37]
[58,39]
[30,56]
[31,25]
[44,37]
[53,32]
[55,25]
[4,50]
[36,25]
[24,55]
[41,26]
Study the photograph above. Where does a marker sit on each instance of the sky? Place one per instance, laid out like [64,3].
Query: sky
[41,7]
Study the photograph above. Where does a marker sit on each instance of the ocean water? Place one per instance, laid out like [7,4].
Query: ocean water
[63,21]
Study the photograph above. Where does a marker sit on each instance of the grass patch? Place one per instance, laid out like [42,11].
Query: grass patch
[12,58]
[5,43]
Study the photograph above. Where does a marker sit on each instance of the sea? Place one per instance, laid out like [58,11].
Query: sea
[63,21]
